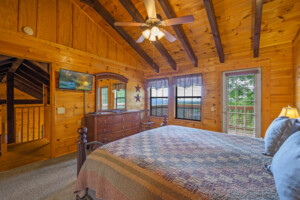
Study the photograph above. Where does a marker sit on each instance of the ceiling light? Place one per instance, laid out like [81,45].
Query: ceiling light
[146,33]
[154,31]
[152,38]
[160,34]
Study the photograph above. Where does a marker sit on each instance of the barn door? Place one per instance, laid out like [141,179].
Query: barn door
[242,102]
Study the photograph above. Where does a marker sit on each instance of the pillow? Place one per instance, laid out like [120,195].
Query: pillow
[286,168]
[277,133]
[296,125]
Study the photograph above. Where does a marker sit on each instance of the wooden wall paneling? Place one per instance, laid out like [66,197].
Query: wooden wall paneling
[112,49]
[102,43]
[28,15]
[91,40]
[296,53]
[79,29]
[46,20]
[9,14]
[120,55]
[64,18]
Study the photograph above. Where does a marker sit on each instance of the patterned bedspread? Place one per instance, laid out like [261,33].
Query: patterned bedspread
[175,162]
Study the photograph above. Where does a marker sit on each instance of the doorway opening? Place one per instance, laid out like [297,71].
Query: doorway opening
[25,112]
[242,102]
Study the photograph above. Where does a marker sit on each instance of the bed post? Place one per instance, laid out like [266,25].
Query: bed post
[81,148]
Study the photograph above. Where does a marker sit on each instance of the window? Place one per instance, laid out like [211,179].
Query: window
[159,92]
[104,98]
[119,99]
[188,94]
[159,101]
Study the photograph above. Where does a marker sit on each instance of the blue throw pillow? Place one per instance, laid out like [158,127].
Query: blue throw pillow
[277,133]
[286,168]
[296,125]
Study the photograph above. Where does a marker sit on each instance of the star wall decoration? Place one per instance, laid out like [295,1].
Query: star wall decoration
[137,98]
[138,88]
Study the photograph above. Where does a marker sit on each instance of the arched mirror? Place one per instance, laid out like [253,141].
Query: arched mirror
[110,92]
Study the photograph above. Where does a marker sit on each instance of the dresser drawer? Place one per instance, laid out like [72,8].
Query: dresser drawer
[104,120]
[104,130]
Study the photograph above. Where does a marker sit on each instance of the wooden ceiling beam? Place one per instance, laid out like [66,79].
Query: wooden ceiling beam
[99,8]
[214,28]
[168,10]
[136,15]
[16,65]
[8,61]
[257,27]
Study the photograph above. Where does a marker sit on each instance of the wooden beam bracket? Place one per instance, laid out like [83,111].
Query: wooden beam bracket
[166,6]
[257,27]
[214,28]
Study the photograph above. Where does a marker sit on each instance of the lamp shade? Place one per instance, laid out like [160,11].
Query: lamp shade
[289,112]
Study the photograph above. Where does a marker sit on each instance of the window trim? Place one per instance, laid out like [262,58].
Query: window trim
[191,97]
[162,97]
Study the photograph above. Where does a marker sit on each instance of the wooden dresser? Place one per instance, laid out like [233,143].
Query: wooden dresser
[108,127]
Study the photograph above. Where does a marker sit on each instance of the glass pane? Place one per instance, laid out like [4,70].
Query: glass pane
[197,90]
[159,92]
[104,98]
[180,91]
[189,91]
[153,92]
[121,93]
[196,108]
[165,92]
[180,107]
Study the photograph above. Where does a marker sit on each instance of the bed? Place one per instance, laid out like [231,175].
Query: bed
[175,162]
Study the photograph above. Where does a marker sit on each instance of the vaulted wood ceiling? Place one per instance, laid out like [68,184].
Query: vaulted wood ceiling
[235,20]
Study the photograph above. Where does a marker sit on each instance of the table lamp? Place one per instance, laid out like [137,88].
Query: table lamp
[290,112]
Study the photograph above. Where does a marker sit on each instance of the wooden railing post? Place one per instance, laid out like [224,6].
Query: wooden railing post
[3,131]
[81,148]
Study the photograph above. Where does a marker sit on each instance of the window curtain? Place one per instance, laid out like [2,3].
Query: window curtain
[158,83]
[119,86]
[187,80]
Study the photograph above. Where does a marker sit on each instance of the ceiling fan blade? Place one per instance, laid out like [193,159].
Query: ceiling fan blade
[168,35]
[150,7]
[141,39]
[178,20]
[129,24]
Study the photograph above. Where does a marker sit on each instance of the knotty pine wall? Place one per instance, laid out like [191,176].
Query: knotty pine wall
[66,38]
[277,84]
[296,50]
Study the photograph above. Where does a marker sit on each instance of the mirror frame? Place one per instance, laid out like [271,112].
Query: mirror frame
[109,75]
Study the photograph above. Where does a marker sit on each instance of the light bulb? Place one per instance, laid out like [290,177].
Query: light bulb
[160,34]
[146,33]
[154,31]
[152,38]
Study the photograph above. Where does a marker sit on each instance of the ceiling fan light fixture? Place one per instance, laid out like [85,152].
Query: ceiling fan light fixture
[152,38]
[146,33]
[160,35]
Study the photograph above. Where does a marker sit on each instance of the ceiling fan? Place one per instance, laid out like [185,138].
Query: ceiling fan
[153,21]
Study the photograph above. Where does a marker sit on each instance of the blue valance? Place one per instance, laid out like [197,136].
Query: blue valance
[158,83]
[187,80]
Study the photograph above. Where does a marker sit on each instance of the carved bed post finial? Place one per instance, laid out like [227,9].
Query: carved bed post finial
[81,148]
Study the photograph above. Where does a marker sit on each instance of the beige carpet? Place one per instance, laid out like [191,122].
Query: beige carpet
[52,179]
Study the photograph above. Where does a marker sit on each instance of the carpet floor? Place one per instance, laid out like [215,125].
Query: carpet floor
[52,179]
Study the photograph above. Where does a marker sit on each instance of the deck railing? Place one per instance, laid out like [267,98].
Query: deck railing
[241,119]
